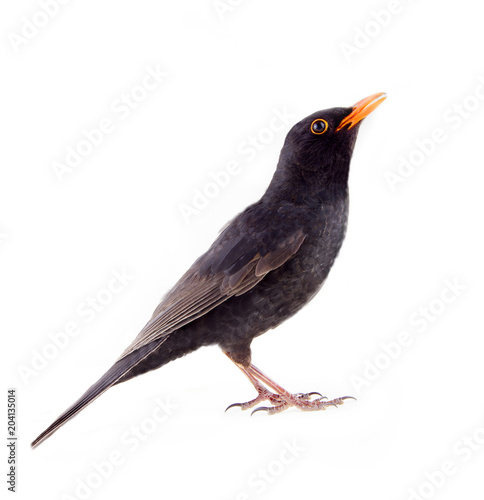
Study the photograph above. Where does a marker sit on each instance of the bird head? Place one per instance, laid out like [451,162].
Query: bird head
[320,146]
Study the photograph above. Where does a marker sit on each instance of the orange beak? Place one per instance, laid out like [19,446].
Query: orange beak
[362,109]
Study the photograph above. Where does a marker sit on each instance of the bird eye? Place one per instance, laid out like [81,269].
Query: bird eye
[319,126]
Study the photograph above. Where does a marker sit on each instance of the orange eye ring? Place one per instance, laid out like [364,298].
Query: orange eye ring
[316,128]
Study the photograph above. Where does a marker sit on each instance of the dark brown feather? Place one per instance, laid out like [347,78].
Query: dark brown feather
[195,293]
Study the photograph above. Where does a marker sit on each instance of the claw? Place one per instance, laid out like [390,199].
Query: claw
[340,401]
[260,408]
[315,393]
[233,406]
[306,396]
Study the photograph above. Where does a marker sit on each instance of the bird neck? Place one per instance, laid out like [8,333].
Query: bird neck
[307,187]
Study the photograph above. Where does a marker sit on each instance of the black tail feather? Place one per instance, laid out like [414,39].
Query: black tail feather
[113,375]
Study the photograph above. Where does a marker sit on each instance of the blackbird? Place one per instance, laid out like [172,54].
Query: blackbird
[267,263]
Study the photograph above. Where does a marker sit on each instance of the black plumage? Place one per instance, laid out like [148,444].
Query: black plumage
[264,267]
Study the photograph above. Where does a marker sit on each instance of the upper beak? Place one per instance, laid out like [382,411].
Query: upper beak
[362,109]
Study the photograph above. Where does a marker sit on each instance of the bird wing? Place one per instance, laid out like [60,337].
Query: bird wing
[234,264]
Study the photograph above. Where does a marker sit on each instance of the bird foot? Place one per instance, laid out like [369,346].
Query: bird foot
[276,400]
[303,402]
[280,398]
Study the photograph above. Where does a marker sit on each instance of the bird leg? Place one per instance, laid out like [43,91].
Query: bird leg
[281,399]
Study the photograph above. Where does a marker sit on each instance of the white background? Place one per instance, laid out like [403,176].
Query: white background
[120,208]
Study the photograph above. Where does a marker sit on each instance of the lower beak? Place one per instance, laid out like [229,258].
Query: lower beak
[362,109]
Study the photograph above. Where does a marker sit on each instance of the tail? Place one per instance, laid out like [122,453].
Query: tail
[113,375]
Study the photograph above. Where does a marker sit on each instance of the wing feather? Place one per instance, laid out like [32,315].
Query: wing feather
[231,267]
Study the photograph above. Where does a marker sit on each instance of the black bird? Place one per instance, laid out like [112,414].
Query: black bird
[264,267]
